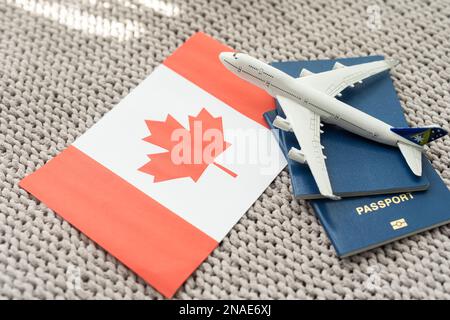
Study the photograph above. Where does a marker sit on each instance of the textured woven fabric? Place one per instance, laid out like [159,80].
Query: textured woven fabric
[64,64]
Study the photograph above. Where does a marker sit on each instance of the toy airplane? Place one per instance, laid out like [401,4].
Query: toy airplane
[310,99]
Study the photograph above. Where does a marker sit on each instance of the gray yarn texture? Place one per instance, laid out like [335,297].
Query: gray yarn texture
[64,64]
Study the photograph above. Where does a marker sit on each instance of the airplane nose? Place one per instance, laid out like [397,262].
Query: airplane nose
[225,55]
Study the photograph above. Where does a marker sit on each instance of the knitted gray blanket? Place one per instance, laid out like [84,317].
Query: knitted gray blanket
[64,64]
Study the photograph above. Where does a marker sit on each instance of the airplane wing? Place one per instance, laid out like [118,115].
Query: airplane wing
[306,127]
[334,81]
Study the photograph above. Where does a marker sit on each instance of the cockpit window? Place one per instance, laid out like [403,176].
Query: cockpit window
[235,55]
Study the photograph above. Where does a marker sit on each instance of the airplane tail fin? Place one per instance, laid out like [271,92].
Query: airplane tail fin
[421,135]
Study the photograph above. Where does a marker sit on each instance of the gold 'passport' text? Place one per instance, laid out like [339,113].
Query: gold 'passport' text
[384,203]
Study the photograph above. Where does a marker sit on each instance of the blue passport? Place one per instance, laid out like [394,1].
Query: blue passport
[356,166]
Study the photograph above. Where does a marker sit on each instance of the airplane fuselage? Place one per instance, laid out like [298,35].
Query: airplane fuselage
[330,109]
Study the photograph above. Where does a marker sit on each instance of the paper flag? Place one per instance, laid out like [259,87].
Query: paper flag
[132,184]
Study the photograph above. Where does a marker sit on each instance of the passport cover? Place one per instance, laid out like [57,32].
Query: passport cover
[356,166]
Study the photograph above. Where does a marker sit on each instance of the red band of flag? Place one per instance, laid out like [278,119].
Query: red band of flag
[147,237]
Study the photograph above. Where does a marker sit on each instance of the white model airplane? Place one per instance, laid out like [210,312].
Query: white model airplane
[310,99]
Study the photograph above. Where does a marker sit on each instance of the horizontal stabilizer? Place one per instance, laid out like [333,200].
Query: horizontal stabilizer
[338,65]
[422,135]
[305,72]
[413,156]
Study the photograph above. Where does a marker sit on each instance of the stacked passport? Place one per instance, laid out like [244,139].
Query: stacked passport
[383,200]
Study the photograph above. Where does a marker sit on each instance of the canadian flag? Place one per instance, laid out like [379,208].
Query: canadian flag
[162,178]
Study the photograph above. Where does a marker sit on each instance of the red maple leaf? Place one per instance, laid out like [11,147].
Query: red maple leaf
[189,152]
